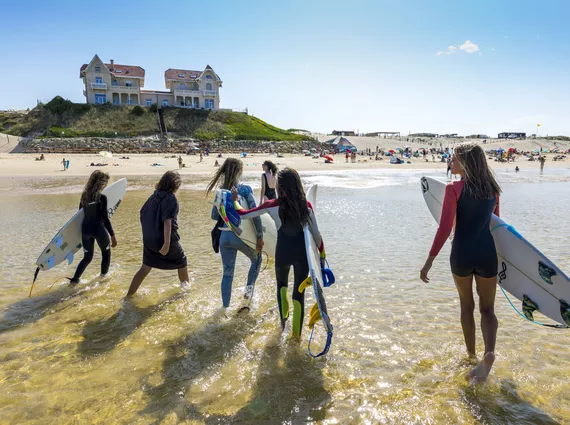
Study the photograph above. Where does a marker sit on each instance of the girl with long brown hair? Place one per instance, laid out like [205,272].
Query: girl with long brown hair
[227,177]
[96,225]
[268,182]
[159,221]
[470,202]
[291,212]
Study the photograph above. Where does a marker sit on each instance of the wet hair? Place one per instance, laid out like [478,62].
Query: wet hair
[293,206]
[231,171]
[271,167]
[480,181]
[95,185]
[169,182]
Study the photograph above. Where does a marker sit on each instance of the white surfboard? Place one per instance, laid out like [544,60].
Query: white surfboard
[524,271]
[67,241]
[314,260]
[248,233]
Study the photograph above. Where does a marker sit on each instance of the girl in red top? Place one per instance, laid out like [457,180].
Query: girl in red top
[470,203]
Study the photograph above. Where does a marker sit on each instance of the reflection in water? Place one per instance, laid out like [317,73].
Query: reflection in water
[83,355]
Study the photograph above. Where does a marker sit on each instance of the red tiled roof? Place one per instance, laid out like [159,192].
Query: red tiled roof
[125,70]
[173,74]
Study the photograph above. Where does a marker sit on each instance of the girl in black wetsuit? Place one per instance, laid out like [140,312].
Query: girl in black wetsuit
[268,179]
[470,203]
[96,225]
[291,212]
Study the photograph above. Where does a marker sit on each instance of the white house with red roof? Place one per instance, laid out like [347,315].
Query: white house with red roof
[123,85]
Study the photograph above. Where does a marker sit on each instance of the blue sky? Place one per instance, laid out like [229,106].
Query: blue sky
[318,65]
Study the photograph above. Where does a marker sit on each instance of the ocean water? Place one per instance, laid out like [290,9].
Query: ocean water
[83,355]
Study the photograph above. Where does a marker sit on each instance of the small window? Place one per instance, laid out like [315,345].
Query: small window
[128,83]
[182,86]
[148,102]
[115,83]
[98,80]
[208,77]
[193,76]
[165,102]
[181,75]
[208,86]
[97,68]
[118,71]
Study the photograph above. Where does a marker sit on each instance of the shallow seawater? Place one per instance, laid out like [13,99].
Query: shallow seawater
[85,356]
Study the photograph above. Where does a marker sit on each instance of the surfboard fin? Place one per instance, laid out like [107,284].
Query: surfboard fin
[314,316]
[529,307]
[565,311]
[305,284]
[546,272]
[70,257]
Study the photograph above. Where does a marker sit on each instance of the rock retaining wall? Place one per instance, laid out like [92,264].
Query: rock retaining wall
[155,145]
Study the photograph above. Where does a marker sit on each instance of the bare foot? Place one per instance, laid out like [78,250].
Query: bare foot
[481,371]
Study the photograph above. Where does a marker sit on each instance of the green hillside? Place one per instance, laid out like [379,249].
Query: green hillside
[62,118]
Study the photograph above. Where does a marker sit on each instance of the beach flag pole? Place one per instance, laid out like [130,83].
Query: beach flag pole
[538,125]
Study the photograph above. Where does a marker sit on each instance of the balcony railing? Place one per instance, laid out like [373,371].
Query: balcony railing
[125,88]
[210,93]
[179,92]
[99,86]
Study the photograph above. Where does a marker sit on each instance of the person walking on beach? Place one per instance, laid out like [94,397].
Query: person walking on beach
[542,160]
[179,162]
[161,241]
[346,153]
[448,166]
[96,225]
[470,202]
[268,182]
[64,163]
[227,177]
[291,212]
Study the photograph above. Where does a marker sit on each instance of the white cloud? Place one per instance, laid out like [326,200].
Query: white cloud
[450,50]
[469,47]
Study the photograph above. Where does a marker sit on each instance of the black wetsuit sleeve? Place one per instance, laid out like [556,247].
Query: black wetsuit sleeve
[105,216]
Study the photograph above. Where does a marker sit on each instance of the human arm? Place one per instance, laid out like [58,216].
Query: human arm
[262,194]
[497,211]
[254,212]
[448,211]
[167,229]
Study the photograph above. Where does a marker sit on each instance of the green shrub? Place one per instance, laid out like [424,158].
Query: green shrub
[61,132]
[138,111]
[153,108]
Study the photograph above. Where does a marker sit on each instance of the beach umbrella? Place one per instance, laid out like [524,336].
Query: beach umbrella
[330,158]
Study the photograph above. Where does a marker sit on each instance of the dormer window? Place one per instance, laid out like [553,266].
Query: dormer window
[181,75]
[193,76]
[208,77]
[118,71]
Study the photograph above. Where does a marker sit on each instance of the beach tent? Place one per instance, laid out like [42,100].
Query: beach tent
[341,144]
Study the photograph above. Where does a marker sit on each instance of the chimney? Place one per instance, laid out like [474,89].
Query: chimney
[112,65]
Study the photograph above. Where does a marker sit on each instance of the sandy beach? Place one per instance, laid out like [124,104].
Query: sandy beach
[25,165]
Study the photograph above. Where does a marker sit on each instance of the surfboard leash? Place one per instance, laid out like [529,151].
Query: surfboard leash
[547,325]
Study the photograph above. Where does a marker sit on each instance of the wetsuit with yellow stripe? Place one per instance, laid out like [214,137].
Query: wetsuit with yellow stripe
[290,252]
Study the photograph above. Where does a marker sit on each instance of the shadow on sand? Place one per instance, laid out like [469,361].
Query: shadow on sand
[30,310]
[504,406]
[289,388]
[188,358]
[102,336]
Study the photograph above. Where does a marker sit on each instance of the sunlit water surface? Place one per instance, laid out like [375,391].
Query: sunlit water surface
[83,355]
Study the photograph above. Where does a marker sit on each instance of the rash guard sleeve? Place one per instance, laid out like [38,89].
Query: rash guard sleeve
[105,216]
[497,211]
[448,212]
[255,212]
